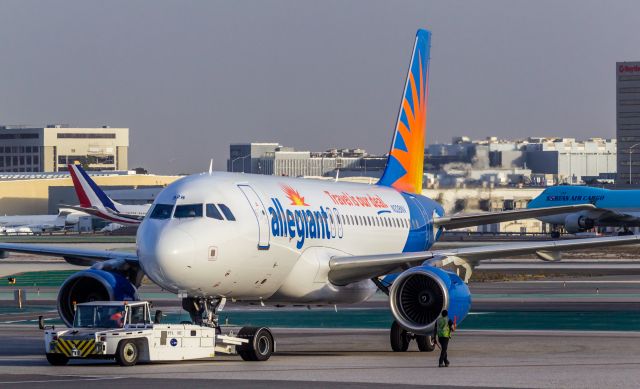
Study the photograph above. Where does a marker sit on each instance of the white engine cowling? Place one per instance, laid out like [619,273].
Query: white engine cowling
[577,223]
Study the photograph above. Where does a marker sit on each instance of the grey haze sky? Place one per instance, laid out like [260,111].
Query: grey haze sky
[190,77]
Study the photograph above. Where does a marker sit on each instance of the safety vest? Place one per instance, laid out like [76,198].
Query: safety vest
[443,327]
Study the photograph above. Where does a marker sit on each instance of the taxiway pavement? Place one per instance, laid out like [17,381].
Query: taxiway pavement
[312,358]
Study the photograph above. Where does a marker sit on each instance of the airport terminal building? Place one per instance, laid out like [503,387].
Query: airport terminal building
[51,148]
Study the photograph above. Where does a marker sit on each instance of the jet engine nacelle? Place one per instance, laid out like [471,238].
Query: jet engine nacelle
[93,285]
[577,223]
[419,295]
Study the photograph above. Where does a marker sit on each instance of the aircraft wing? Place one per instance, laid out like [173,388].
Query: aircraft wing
[80,257]
[461,221]
[345,270]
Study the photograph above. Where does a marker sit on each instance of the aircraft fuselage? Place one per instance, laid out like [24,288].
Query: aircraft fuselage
[284,233]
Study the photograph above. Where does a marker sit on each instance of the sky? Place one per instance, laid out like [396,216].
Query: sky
[190,77]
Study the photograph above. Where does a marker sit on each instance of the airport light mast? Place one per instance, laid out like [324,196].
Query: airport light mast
[630,149]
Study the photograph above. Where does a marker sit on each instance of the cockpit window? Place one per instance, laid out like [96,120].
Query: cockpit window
[188,210]
[161,211]
[227,212]
[213,212]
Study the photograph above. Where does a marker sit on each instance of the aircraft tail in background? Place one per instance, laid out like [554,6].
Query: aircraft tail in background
[89,193]
[95,202]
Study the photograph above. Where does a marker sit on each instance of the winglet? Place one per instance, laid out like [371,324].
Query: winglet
[404,168]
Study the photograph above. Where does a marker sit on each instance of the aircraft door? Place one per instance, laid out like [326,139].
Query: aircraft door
[264,231]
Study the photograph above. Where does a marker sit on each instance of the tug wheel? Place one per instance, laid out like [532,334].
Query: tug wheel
[57,359]
[128,353]
[261,344]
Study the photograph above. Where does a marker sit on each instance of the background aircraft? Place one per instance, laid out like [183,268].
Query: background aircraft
[281,240]
[612,208]
[95,202]
[37,224]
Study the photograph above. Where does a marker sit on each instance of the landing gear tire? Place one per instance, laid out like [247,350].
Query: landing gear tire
[399,338]
[426,343]
[57,359]
[127,353]
[555,234]
[261,344]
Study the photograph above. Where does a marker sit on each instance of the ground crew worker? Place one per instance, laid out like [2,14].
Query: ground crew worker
[118,319]
[444,327]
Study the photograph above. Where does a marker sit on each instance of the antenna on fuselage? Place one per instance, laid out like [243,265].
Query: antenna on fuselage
[337,174]
[211,166]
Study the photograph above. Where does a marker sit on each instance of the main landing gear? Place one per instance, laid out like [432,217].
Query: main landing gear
[625,231]
[400,339]
[204,311]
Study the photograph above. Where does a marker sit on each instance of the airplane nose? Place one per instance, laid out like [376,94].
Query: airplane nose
[166,255]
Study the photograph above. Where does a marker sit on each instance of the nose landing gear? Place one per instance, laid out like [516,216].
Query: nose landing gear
[204,311]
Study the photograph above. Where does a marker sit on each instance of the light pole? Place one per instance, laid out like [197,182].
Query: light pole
[235,159]
[630,149]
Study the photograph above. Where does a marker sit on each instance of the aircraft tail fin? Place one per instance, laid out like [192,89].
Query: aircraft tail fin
[61,220]
[89,193]
[405,164]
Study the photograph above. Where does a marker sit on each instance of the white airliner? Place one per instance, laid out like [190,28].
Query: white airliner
[95,202]
[35,224]
[277,240]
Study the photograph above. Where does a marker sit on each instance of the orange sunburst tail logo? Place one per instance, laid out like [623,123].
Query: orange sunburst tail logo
[294,196]
[404,170]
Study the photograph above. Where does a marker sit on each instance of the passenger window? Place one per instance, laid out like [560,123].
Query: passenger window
[213,212]
[227,212]
[161,211]
[187,211]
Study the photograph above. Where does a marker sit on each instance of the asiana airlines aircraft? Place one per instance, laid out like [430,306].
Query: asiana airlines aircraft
[217,236]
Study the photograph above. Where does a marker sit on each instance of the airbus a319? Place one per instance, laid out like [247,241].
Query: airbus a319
[278,240]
